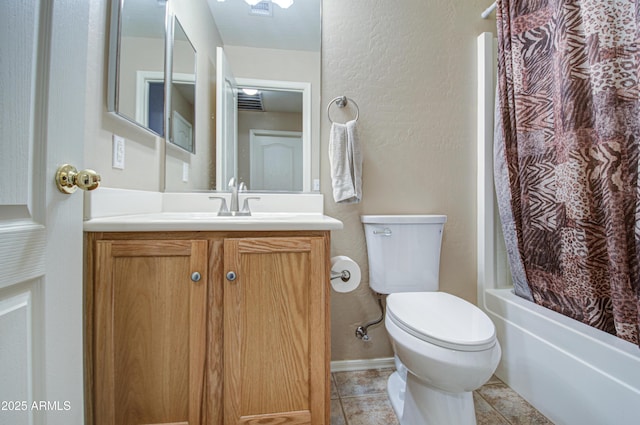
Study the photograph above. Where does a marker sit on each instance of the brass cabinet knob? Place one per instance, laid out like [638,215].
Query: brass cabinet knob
[68,179]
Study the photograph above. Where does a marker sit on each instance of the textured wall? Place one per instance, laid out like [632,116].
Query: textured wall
[411,67]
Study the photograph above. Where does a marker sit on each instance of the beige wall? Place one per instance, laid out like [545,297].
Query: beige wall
[410,65]
[137,54]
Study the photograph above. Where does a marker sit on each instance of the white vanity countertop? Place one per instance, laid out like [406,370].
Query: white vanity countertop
[117,210]
[171,221]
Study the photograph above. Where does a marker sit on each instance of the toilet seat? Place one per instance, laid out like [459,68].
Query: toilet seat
[442,319]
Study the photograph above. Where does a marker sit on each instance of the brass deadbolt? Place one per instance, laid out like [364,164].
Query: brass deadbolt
[68,179]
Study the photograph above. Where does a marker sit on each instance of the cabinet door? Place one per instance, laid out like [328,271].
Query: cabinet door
[149,334]
[275,333]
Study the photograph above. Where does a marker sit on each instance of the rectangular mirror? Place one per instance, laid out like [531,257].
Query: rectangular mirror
[270,44]
[136,85]
[182,98]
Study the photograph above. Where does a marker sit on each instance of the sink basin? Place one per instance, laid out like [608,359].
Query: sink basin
[210,221]
[214,216]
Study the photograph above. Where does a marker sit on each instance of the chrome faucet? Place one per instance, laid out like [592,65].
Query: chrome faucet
[245,211]
[245,206]
[224,210]
[233,186]
[233,209]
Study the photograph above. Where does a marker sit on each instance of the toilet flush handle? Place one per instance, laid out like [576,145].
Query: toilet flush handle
[385,232]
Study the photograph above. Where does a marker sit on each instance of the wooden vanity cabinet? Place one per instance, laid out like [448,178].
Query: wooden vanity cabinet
[149,319]
[248,343]
[274,331]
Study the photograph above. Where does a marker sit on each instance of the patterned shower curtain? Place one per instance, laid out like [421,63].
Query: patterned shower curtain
[566,153]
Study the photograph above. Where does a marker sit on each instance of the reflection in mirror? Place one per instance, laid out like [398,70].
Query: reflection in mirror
[270,146]
[213,87]
[282,45]
[183,90]
[137,63]
[226,122]
[275,143]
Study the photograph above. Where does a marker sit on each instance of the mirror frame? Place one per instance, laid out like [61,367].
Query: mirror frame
[181,78]
[113,66]
[293,86]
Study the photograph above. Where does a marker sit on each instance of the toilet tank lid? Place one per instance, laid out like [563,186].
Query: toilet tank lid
[403,219]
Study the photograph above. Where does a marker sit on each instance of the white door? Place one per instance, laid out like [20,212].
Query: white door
[275,160]
[226,122]
[43,64]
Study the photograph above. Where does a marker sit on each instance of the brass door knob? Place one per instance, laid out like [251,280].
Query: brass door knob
[68,179]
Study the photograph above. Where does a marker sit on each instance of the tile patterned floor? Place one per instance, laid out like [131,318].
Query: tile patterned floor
[360,398]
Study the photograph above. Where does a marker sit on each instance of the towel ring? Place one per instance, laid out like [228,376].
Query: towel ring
[342,101]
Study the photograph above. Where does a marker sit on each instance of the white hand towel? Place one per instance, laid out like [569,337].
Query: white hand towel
[345,158]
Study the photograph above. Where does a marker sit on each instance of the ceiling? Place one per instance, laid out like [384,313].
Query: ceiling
[282,101]
[295,28]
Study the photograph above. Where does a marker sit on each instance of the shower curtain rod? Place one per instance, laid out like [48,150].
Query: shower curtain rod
[488,11]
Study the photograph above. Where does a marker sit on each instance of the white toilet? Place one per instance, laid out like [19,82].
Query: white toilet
[445,347]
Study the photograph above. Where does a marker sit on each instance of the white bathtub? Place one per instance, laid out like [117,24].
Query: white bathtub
[572,373]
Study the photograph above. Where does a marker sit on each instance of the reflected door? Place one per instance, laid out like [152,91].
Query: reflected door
[276,160]
[227,123]
[155,116]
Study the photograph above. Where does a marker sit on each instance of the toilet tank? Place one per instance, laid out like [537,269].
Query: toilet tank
[403,251]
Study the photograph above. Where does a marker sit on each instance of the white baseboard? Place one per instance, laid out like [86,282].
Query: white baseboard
[363,364]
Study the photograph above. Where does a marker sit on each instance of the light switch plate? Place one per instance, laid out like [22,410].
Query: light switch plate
[316,185]
[117,160]
[185,172]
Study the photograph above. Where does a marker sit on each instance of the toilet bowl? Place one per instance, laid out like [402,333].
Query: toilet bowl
[445,347]
[444,359]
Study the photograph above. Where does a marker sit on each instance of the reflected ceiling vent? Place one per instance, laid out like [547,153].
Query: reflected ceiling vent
[250,102]
[264,8]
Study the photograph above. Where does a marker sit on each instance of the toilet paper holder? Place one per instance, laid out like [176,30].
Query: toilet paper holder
[344,275]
